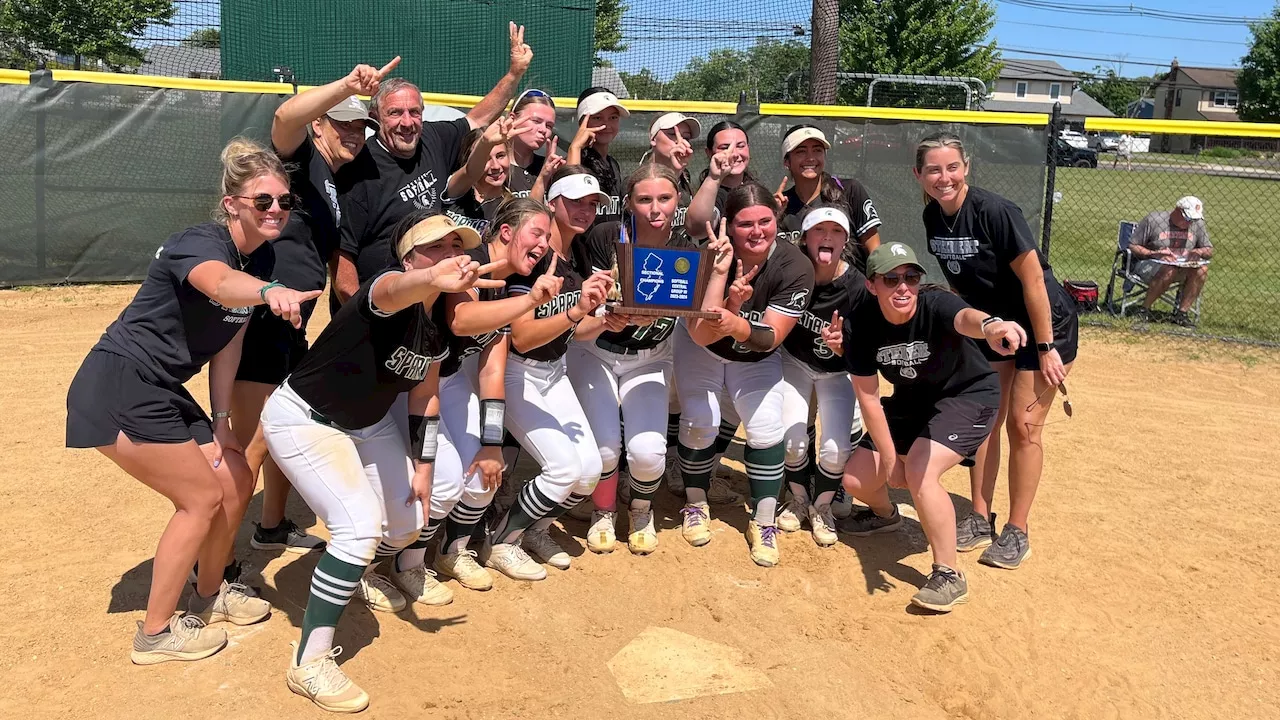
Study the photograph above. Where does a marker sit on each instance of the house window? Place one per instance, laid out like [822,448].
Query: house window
[1055,89]
[1021,90]
[1226,98]
[1177,98]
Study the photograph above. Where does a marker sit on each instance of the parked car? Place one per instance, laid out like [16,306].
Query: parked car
[1068,155]
[1104,141]
[1074,138]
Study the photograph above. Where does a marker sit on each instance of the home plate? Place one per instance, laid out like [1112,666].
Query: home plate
[662,665]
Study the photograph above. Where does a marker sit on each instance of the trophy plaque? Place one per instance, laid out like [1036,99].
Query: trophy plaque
[662,281]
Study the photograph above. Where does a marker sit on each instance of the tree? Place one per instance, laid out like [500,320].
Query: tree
[916,37]
[94,29]
[608,35]
[643,85]
[1259,78]
[1112,91]
[762,72]
[204,38]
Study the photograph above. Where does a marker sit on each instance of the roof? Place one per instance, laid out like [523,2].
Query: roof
[1020,69]
[182,61]
[1224,78]
[608,77]
[1081,105]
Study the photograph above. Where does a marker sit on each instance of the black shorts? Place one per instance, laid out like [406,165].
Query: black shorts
[1066,338]
[960,424]
[111,394]
[272,348]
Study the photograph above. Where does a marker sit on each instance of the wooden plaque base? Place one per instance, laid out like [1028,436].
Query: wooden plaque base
[657,312]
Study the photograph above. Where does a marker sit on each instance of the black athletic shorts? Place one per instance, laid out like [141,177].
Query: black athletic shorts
[111,393]
[1066,338]
[958,423]
[272,348]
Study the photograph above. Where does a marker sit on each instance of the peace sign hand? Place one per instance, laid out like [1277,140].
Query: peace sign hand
[502,130]
[547,285]
[521,54]
[364,79]
[554,160]
[741,291]
[585,135]
[778,196]
[722,247]
[460,273]
[833,334]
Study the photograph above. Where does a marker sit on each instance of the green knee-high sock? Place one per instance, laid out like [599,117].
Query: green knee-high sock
[332,585]
[530,505]
[696,466]
[798,481]
[673,429]
[725,436]
[765,473]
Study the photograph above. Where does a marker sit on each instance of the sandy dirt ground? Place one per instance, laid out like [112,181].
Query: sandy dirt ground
[1151,594]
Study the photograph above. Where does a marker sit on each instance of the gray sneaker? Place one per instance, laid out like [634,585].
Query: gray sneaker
[866,522]
[943,590]
[1009,550]
[974,531]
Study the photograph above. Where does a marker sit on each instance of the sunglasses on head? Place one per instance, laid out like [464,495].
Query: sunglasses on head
[262,201]
[912,278]
[534,92]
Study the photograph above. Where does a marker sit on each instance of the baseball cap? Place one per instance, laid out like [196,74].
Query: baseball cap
[1191,207]
[889,256]
[435,229]
[350,109]
[597,102]
[675,119]
[799,135]
[576,187]
[824,214]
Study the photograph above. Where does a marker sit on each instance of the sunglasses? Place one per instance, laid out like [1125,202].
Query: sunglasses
[892,280]
[1066,399]
[534,92]
[262,201]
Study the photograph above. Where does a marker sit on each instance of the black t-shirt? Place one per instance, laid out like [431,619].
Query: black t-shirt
[784,284]
[385,188]
[520,180]
[925,358]
[976,250]
[467,210]
[609,173]
[685,190]
[171,328]
[596,250]
[863,218]
[570,291]
[463,347]
[365,358]
[805,342]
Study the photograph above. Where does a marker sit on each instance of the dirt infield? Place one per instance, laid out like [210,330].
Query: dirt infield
[1151,594]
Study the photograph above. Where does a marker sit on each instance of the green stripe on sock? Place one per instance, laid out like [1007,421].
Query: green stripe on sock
[690,457]
[764,486]
[332,580]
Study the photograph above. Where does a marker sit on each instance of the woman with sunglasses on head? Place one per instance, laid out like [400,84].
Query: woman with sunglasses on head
[759,289]
[599,116]
[128,401]
[990,257]
[804,156]
[621,377]
[330,427]
[812,370]
[542,411]
[468,466]
[728,155]
[537,108]
[942,408]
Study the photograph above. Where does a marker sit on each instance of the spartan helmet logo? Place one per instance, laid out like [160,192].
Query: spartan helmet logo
[799,299]
[898,250]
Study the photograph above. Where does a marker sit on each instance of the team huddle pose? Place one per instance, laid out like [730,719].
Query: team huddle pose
[473,269]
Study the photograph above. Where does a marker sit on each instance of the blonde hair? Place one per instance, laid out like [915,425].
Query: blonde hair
[514,212]
[938,141]
[243,161]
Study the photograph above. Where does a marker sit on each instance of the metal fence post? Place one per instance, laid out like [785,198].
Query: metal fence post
[42,79]
[1051,161]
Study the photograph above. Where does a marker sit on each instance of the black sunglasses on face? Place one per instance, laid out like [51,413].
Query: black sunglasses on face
[262,201]
[892,279]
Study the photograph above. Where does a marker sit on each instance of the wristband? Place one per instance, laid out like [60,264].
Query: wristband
[222,415]
[761,337]
[262,291]
[493,415]
[423,437]
[569,317]
[990,319]
[1044,347]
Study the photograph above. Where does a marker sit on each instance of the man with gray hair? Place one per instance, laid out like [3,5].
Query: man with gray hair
[1172,246]
[406,167]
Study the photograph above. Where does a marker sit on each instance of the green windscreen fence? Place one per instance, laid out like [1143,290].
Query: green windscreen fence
[447,46]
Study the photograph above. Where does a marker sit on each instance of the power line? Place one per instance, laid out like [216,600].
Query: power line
[1125,34]
[1111,9]
[1095,58]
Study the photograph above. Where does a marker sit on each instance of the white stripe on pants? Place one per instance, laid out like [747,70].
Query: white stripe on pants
[837,413]
[459,442]
[356,481]
[752,387]
[606,381]
[544,414]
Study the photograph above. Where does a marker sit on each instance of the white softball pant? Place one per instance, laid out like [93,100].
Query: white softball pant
[606,382]
[356,481]
[753,388]
[544,415]
[458,444]
[837,414]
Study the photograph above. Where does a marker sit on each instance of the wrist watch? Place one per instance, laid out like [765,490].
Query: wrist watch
[1044,347]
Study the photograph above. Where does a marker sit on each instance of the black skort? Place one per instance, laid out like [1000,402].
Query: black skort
[272,348]
[112,394]
[960,424]
[1066,338]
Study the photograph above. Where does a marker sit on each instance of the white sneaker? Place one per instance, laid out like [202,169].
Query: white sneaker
[379,594]
[462,566]
[793,515]
[602,536]
[823,525]
[322,682]
[842,506]
[541,547]
[511,560]
[420,584]
[643,538]
[674,480]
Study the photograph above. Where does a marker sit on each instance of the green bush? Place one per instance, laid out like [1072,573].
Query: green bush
[1222,152]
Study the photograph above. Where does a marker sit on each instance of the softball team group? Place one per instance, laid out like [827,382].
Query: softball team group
[472,270]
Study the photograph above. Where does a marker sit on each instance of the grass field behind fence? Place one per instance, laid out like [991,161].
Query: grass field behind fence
[1242,296]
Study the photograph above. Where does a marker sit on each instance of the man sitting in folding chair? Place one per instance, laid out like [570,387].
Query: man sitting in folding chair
[1172,246]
